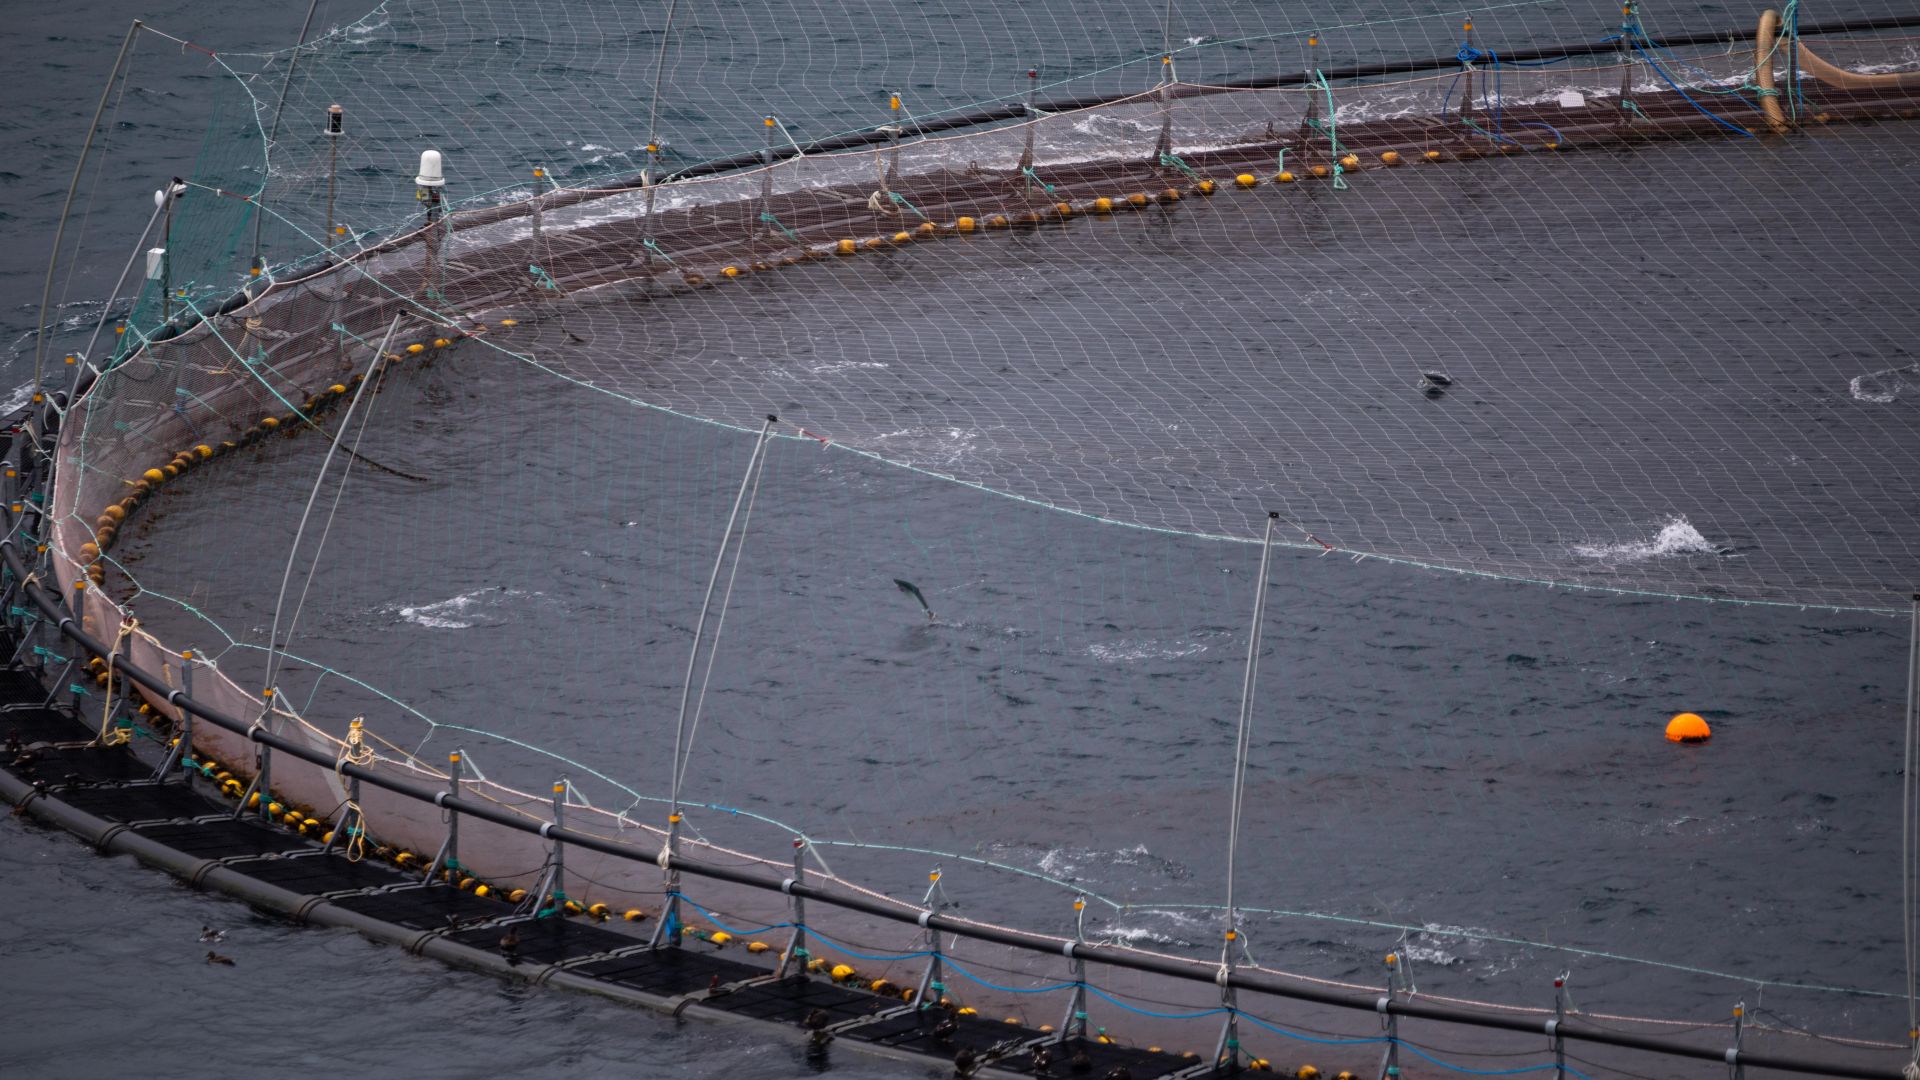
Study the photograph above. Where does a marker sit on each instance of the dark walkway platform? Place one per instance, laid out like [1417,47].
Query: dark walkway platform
[317,874]
[915,1031]
[671,971]
[794,998]
[550,941]
[81,765]
[426,907]
[34,725]
[223,839]
[19,686]
[147,802]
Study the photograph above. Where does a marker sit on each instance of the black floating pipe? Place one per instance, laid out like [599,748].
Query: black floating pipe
[51,605]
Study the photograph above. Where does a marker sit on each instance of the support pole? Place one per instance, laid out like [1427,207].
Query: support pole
[795,954]
[1559,1018]
[1737,1071]
[431,196]
[449,856]
[262,759]
[1466,82]
[1390,1021]
[894,131]
[166,250]
[1629,26]
[1163,145]
[336,127]
[66,209]
[557,881]
[1074,1024]
[764,226]
[184,744]
[1026,155]
[931,980]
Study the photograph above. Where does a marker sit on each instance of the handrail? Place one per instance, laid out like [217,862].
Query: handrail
[1191,971]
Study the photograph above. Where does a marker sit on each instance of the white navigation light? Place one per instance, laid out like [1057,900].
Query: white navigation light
[430,174]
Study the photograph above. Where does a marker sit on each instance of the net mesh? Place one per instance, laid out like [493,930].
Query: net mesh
[1321,285]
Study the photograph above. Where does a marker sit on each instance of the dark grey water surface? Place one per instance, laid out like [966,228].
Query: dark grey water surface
[1450,754]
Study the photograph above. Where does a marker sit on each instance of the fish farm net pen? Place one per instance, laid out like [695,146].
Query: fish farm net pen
[694,365]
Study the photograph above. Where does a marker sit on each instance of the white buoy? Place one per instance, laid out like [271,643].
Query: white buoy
[430,172]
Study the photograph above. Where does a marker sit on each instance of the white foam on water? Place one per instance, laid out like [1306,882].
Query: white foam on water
[1127,651]
[457,613]
[16,398]
[1884,387]
[1676,537]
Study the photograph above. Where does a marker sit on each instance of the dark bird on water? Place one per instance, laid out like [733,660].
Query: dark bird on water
[944,1031]
[510,945]
[1042,1061]
[1434,383]
[210,935]
[216,958]
[965,1064]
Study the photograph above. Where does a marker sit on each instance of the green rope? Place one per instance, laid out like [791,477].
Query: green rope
[1027,171]
[1174,161]
[902,200]
[655,248]
[775,222]
[545,279]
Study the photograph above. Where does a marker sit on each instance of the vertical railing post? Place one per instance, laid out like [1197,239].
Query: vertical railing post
[667,930]
[557,887]
[1390,1021]
[1026,155]
[352,823]
[764,226]
[795,954]
[1735,1070]
[448,857]
[262,762]
[1559,1018]
[183,743]
[931,979]
[427,185]
[1074,1024]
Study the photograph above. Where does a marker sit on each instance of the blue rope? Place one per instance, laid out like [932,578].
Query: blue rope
[1490,1072]
[1148,1012]
[1257,1022]
[1655,65]
[715,920]
[838,947]
[1005,989]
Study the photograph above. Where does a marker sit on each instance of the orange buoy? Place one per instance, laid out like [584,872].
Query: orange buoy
[1688,728]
